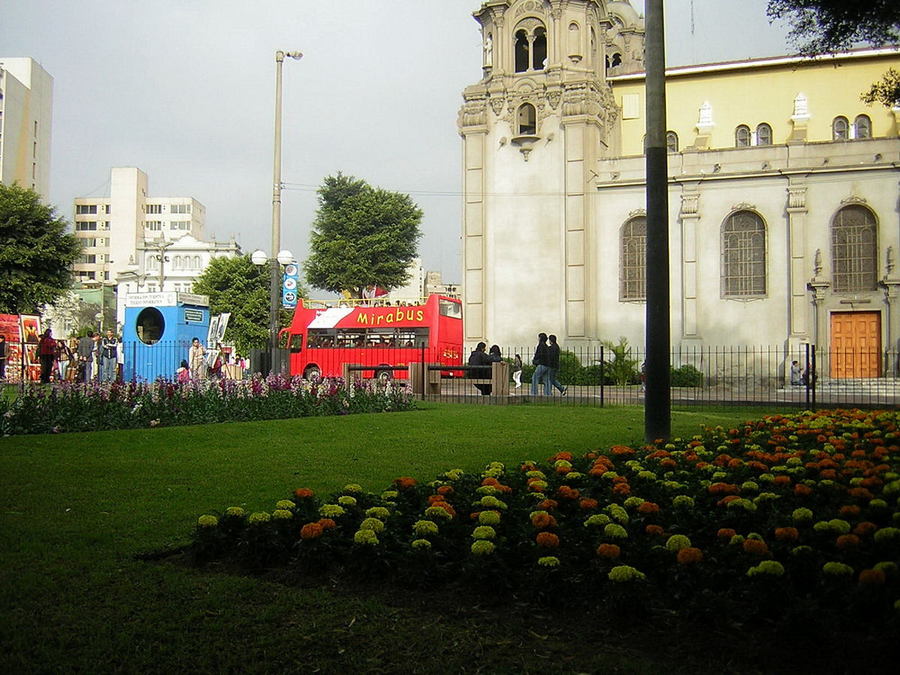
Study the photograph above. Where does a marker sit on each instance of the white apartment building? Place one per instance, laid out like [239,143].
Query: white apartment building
[113,228]
[26,107]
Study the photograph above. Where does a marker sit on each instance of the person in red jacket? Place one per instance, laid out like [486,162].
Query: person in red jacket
[46,354]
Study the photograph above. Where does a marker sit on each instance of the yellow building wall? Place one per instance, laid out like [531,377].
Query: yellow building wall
[763,93]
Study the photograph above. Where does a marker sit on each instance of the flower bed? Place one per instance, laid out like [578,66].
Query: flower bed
[782,518]
[66,407]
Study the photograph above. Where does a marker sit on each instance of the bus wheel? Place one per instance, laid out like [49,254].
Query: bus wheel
[384,376]
[312,373]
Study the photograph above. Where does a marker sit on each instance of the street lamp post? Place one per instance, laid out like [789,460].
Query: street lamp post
[276,201]
[260,259]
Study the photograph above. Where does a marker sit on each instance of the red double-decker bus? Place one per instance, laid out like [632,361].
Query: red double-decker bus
[322,339]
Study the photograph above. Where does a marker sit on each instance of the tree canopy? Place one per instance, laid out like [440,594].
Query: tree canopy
[238,286]
[36,253]
[361,237]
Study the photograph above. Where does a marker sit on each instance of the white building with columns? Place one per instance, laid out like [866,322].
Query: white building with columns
[783,191]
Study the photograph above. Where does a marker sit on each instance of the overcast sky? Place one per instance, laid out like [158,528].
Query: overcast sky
[184,90]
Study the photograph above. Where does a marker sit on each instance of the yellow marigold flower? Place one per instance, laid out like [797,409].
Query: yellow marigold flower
[597,520]
[488,490]
[482,547]
[389,494]
[259,517]
[535,474]
[331,511]
[888,567]
[768,568]
[623,573]
[284,504]
[282,514]
[633,502]
[365,537]
[423,544]
[837,569]
[489,518]
[372,524]
[492,503]
[646,475]
[423,528]
[886,534]
[346,500]
[353,487]
[484,532]
[438,512]
[378,512]
[234,512]
[683,501]
[548,561]
[454,474]
[615,531]
[677,542]
[207,521]
[802,515]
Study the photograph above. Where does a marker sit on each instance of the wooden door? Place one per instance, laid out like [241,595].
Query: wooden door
[855,344]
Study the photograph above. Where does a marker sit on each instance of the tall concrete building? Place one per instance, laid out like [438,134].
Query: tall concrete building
[26,115]
[783,191]
[113,228]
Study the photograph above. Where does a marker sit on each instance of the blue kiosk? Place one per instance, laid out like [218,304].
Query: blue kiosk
[158,331]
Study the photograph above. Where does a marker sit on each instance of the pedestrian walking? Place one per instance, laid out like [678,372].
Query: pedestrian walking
[109,356]
[517,370]
[197,360]
[553,353]
[540,361]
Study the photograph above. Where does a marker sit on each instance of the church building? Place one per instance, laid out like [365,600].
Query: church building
[783,192]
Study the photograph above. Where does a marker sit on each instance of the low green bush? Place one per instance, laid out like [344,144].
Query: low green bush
[686,376]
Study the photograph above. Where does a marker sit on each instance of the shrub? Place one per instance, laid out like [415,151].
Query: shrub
[622,369]
[686,376]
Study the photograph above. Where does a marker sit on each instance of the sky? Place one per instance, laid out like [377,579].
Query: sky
[184,90]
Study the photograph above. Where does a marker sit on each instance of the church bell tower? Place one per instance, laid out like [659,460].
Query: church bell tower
[532,130]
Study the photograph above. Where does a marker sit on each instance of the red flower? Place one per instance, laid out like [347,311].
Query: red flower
[846,541]
[547,540]
[864,528]
[786,533]
[689,555]
[404,482]
[725,533]
[566,492]
[327,523]
[621,450]
[609,551]
[445,490]
[587,503]
[311,531]
[802,490]
[303,493]
[548,504]
[648,507]
[755,547]
[654,529]
[541,520]
[871,577]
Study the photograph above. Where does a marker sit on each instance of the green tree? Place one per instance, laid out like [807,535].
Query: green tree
[827,26]
[361,236]
[622,368]
[238,286]
[36,253]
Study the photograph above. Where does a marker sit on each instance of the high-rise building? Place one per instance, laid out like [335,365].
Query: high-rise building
[26,109]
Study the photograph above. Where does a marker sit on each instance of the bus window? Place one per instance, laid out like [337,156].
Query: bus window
[451,309]
[412,337]
[296,343]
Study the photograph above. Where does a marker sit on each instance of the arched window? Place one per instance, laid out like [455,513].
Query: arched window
[840,129]
[854,250]
[530,46]
[743,255]
[742,136]
[671,141]
[526,120]
[862,127]
[196,262]
[764,134]
[632,278]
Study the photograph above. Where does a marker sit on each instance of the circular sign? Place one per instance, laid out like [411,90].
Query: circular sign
[289,297]
[292,270]
[290,284]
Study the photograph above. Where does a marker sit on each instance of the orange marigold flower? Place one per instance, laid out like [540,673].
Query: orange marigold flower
[432,499]
[598,471]
[567,456]
[648,507]
[860,493]
[587,503]
[654,529]
[727,500]
[829,474]
[404,482]
[668,463]
[802,490]
[725,533]
[787,533]
[548,504]
[782,480]
[871,577]
[490,480]
[621,450]
[547,540]
[722,489]
[446,506]
[474,515]
[327,523]
[311,531]
[303,493]
[540,520]
[622,489]
[608,551]
[689,555]
[755,546]
[846,541]
[445,490]
[864,528]
[850,510]
[567,492]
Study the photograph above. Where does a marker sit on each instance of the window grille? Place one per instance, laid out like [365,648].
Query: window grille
[633,279]
[854,250]
[764,134]
[840,129]
[862,127]
[742,137]
[743,255]
[671,141]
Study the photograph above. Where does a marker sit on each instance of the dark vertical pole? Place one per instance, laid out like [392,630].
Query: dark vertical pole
[806,368]
[658,397]
[602,375]
[813,376]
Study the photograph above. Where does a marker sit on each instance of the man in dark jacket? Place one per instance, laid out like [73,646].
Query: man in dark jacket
[86,354]
[479,357]
[553,352]
[540,361]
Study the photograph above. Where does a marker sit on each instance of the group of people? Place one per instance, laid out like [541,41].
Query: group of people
[83,359]
[197,365]
[546,362]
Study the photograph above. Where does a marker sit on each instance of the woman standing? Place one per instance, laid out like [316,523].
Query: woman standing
[64,356]
[196,360]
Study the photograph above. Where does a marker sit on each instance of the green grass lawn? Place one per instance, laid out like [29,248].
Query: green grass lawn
[78,508]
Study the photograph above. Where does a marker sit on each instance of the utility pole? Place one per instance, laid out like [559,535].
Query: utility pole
[657,399]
